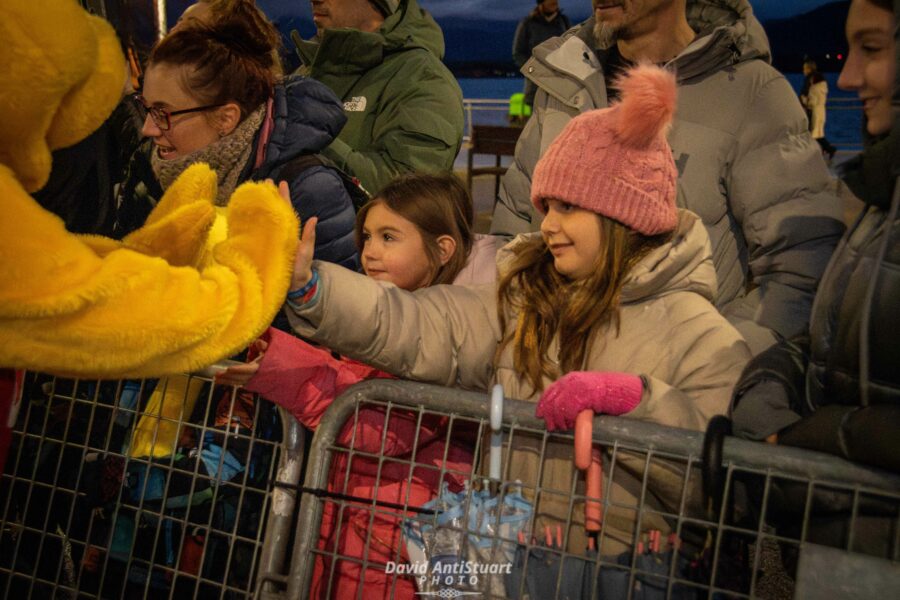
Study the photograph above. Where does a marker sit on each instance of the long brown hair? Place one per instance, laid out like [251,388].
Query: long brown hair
[232,58]
[437,204]
[546,303]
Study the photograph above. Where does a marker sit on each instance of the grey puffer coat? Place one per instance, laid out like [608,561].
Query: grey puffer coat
[669,333]
[747,164]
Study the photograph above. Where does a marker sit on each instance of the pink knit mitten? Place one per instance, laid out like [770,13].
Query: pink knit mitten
[602,392]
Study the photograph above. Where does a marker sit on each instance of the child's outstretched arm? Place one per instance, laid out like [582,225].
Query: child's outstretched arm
[442,334]
[293,374]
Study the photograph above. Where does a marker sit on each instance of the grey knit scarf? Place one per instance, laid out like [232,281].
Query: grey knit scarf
[226,156]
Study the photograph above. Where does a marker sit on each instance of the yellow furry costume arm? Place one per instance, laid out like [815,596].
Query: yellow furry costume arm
[67,308]
[177,228]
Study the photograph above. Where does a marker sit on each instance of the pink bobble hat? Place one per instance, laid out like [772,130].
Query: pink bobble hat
[616,161]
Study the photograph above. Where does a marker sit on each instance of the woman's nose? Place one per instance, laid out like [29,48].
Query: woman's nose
[149,128]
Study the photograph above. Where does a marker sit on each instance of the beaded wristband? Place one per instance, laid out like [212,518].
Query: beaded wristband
[306,288]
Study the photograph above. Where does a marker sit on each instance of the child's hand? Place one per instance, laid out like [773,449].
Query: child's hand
[303,260]
[603,392]
[240,375]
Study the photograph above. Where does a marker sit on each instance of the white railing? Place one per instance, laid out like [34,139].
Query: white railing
[491,111]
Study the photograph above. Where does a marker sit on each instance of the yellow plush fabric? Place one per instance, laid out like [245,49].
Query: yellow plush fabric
[170,405]
[164,300]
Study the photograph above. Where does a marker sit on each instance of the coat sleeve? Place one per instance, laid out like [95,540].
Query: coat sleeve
[700,386]
[90,307]
[304,379]
[866,434]
[786,203]
[767,398]
[419,128]
[521,50]
[445,334]
[318,191]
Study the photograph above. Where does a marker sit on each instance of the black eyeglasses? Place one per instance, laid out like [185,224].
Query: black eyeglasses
[162,117]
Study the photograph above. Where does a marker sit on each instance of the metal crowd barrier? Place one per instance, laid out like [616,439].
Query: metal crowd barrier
[87,514]
[775,522]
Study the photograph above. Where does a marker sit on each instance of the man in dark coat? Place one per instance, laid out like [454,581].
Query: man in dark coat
[544,22]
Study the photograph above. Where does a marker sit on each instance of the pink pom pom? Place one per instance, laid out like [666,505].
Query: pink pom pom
[648,104]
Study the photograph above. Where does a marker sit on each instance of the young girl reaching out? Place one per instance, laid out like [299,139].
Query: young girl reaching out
[417,232]
[609,308]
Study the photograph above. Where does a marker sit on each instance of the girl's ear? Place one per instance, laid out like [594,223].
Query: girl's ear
[227,118]
[447,246]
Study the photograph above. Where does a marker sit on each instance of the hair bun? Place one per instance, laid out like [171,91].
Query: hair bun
[647,107]
[239,38]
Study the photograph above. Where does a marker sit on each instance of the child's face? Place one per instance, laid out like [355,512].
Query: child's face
[393,250]
[573,236]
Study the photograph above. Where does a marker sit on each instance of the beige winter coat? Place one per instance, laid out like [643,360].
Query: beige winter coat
[669,332]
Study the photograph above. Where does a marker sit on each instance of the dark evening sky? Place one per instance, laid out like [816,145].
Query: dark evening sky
[515,9]
[502,9]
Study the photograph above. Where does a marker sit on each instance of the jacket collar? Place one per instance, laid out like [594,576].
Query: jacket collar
[870,174]
[304,117]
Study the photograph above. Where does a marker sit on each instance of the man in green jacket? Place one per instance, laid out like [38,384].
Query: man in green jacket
[403,106]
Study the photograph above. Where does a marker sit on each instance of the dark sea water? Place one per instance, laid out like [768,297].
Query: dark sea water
[842,124]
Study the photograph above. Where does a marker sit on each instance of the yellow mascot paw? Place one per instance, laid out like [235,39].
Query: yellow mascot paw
[262,239]
[177,229]
[262,223]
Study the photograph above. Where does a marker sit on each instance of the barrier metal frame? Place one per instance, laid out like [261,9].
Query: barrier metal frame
[38,560]
[773,466]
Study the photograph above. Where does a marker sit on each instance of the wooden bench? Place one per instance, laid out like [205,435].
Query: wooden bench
[491,139]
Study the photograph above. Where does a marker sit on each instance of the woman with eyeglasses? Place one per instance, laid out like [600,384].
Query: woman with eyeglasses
[213,93]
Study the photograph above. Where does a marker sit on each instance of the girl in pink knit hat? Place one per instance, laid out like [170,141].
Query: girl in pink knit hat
[608,309]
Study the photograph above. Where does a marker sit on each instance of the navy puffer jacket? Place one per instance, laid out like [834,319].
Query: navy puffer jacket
[306,117]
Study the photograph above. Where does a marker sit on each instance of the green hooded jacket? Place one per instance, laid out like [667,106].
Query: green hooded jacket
[403,106]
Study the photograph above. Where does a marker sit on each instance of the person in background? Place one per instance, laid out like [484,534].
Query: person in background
[608,309]
[747,165]
[383,60]
[837,388]
[81,188]
[544,22]
[814,98]
[212,94]
[416,233]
